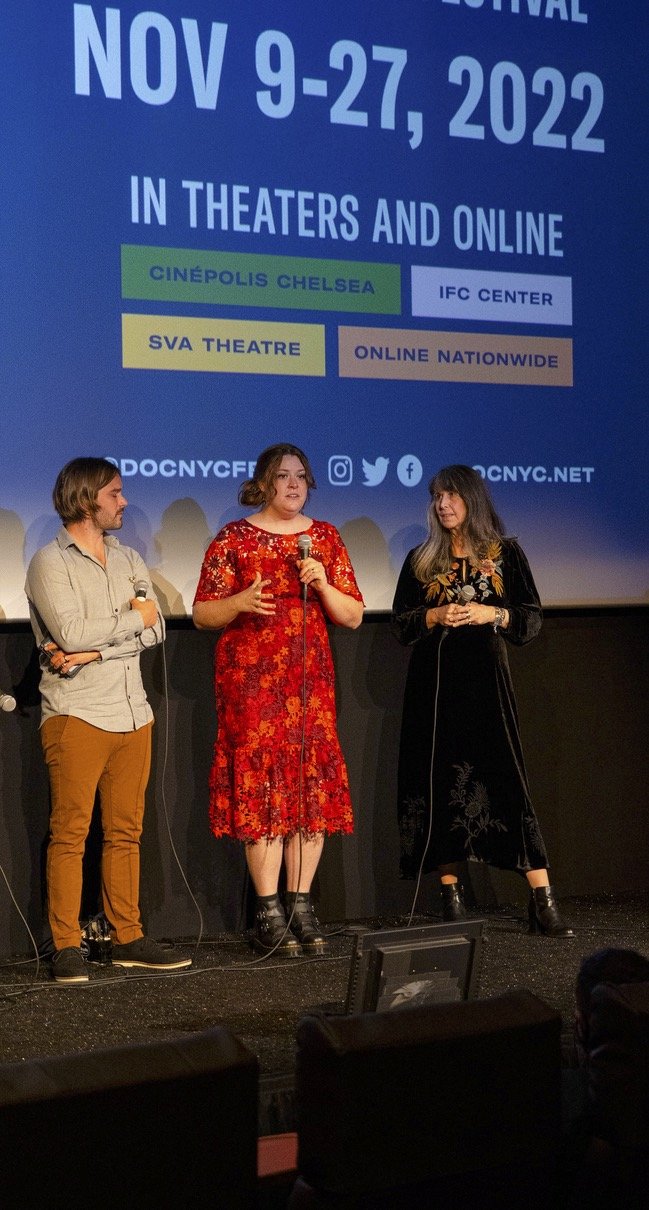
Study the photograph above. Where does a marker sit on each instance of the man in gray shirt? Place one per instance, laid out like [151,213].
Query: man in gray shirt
[93,612]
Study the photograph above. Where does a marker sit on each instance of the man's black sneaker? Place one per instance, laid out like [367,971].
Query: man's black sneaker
[150,954]
[69,966]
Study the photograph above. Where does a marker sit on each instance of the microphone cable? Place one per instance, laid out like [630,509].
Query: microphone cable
[141,588]
[32,939]
[466,594]
[302,756]
[304,548]
[420,871]
[163,796]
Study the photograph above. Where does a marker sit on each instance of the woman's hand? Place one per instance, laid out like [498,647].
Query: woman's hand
[340,608]
[480,615]
[214,615]
[455,613]
[312,574]
[254,600]
[460,613]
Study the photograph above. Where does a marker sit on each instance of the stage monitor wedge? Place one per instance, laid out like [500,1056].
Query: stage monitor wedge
[427,964]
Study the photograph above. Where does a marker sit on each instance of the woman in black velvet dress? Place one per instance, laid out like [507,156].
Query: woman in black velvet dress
[462,596]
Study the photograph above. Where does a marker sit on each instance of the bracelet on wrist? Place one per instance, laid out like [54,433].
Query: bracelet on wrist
[499,619]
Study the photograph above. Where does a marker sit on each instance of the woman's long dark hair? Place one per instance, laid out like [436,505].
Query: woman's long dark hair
[259,490]
[481,527]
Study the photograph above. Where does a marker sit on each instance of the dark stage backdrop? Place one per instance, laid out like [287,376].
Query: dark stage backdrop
[400,234]
[585,718]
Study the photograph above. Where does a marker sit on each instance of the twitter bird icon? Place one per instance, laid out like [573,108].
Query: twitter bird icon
[375,472]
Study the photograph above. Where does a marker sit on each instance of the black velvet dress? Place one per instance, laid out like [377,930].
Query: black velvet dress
[481,807]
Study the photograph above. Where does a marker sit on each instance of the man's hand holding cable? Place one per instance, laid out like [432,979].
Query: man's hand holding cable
[147,608]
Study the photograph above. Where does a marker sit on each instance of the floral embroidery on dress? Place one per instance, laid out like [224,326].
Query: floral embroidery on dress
[486,577]
[472,801]
[411,823]
[532,825]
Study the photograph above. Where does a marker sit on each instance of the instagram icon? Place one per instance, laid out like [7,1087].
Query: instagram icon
[341,471]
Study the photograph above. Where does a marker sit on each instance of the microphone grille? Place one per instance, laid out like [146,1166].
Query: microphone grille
[304,546]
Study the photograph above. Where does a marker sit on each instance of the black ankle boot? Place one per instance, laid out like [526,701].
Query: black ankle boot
[304,922]
[270,931]
[453,902]
[544,914]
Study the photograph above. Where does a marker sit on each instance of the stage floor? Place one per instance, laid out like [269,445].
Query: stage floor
[262,1001]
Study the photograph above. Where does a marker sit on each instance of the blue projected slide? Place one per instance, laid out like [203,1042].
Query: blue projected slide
[397,234]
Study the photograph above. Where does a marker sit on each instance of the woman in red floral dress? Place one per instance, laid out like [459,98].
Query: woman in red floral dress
[278,779]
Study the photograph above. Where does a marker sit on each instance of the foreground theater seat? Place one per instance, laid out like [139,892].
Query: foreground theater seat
[455,1102]
[171,1124]
[615,1168]
[618,1069]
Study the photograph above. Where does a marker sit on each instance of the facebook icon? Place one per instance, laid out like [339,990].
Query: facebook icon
[409,470]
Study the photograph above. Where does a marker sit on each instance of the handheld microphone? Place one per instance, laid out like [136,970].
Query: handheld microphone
[467,593]
[140,589]
[304,550]
[7,702]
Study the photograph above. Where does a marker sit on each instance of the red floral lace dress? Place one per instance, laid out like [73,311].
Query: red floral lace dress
[255,785]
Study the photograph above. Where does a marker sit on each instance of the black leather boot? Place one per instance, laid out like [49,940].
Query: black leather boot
[544,914]
[453,902]
[270,931]
[304,922]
